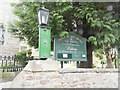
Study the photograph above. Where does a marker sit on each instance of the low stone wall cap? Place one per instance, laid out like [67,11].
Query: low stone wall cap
[42,66]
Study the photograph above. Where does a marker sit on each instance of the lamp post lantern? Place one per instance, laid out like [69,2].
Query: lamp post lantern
[44,33]
[43,15]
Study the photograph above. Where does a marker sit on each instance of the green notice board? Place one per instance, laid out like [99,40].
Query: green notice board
[71,47]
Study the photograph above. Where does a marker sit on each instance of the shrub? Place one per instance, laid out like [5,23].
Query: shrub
[23,56]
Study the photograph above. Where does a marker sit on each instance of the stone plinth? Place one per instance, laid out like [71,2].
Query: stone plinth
[47,74]
[67,80]
[42,65]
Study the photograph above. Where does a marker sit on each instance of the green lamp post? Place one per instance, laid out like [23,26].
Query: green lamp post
[119,56]
[44,34]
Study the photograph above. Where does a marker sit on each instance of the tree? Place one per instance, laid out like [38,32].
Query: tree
[91,20]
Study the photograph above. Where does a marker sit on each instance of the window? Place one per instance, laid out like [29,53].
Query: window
[2,42]
[2,34]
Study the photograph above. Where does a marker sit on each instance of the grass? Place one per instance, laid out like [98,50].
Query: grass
[8,76]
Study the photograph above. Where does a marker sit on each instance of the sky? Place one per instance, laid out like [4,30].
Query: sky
[6,14]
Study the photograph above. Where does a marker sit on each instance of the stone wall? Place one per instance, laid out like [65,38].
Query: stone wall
[65,80]
[47,74]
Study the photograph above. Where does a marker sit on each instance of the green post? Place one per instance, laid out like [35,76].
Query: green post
[119,56]
[44,42]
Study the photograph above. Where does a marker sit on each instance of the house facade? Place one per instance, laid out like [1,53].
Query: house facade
[9,45]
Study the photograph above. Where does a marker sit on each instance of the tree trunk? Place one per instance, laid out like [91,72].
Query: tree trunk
[115,63]
[89,62]
[109,59]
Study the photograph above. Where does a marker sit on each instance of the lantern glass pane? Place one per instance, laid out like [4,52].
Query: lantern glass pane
[44,19]
[39,18]
[43,16]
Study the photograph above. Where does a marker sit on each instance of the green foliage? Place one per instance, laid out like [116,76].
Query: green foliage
[63,33]
[100,26]
[23,56]
[100,55]
[93,39]
[26,26]
[29,52]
